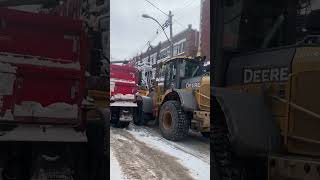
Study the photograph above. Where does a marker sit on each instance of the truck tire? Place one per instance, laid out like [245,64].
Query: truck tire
[139,115]
[173,123]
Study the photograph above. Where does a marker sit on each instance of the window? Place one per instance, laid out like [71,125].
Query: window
[182,48]
[191,68]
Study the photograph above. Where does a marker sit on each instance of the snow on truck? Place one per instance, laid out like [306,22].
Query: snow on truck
[48,127]
[123,87]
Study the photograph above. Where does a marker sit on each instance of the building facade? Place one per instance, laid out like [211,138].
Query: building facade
[204,42]
[185,43]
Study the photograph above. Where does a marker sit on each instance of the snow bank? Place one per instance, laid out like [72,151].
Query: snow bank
[122,97]
[19,59]
[198,168]
[56,110]
[115,169]
[123,104]
[122,80]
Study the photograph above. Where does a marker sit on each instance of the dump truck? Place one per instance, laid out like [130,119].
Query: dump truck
[50,126]
[265,92]
[180,100]
[123,88]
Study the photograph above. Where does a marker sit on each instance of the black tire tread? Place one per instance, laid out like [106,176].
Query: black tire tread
[182,122]
[139,118]
[222,149]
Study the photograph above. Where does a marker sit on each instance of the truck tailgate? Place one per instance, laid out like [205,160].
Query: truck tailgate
[41,74]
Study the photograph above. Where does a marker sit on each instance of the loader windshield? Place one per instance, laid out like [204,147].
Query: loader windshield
[191,68]
[257,24]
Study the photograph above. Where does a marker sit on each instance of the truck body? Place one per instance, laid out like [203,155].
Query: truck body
[123,88]
[49,126]
[42,74]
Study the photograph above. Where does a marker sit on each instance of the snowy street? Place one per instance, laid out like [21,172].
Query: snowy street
[140,152]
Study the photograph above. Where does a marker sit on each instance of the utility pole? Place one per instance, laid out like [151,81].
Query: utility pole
[170,40]
[171,33]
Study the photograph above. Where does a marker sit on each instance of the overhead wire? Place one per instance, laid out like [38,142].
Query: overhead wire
[175,20]
[149,41]
[178,12]
[187,5]
[157,8]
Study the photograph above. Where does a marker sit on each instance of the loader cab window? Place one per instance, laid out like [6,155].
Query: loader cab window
[184,68]
[189,69]
[257,24]
[192,69]
[170,74]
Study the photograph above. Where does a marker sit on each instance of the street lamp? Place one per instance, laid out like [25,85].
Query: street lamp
[170,24]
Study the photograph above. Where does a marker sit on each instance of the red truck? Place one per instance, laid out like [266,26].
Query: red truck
[45,129]
[123,88]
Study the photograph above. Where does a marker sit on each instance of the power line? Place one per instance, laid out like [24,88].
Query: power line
[150,41]
[179,10]
[187,5]
[167,14]
[157,7]
[175,20]
[178,23]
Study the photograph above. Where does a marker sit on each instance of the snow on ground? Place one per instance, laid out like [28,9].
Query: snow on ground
[197,160]
[115,169]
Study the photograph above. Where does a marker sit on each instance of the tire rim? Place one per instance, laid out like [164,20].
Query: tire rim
[167,120]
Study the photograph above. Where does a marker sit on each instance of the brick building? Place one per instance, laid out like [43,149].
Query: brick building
[204,43]
[185,43]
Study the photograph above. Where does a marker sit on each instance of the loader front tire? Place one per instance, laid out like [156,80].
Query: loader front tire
[173,122]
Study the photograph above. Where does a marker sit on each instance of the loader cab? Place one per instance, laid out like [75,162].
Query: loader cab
[177,69]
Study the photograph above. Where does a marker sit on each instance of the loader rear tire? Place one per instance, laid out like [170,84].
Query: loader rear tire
[174,124]
[227,164]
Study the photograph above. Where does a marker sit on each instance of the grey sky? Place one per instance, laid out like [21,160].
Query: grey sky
[130,32]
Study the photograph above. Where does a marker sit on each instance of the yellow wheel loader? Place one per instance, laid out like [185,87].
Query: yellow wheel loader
[180,99]
[265,91]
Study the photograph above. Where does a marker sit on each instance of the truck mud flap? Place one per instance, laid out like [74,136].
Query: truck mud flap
[252,129]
